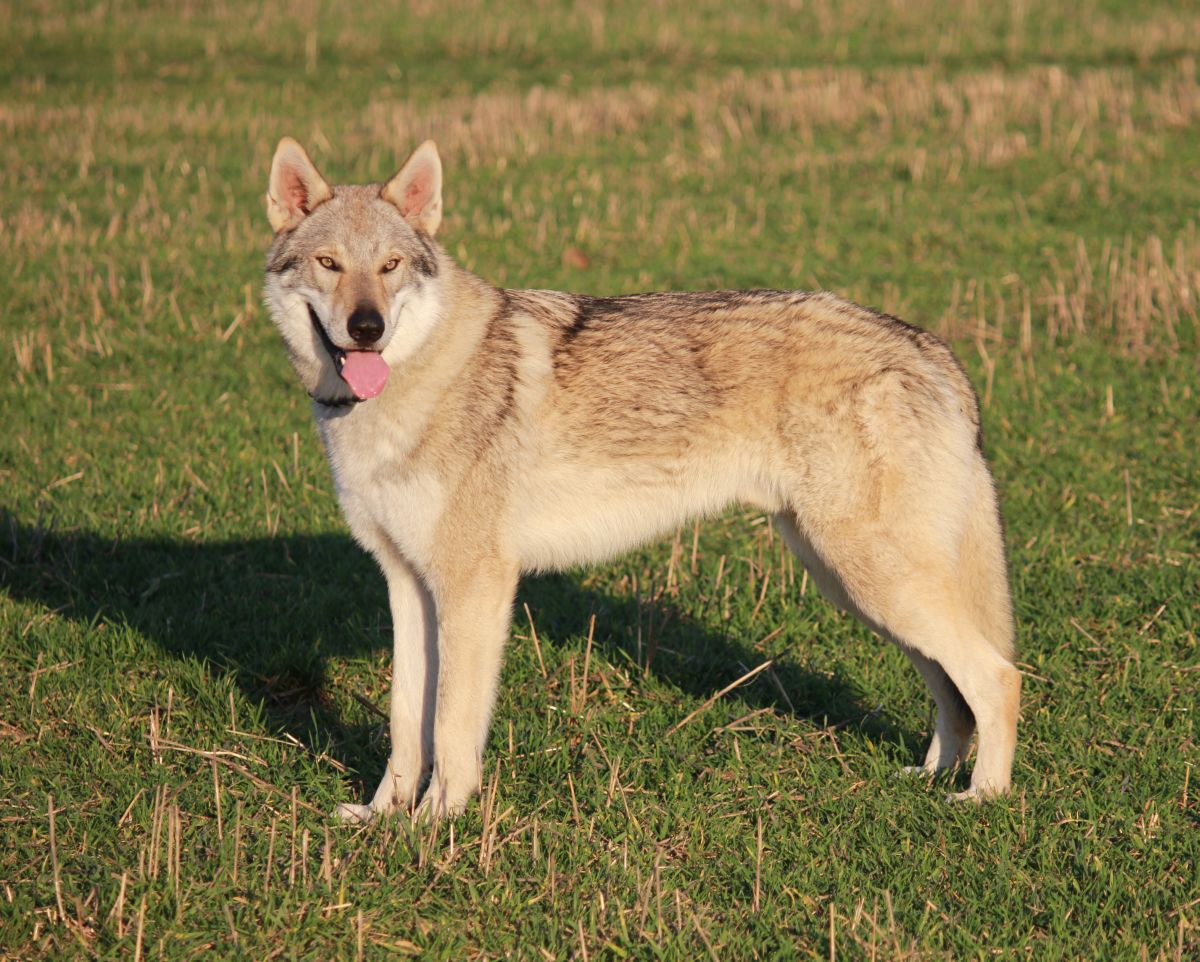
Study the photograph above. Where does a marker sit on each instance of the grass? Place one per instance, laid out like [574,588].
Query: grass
[193,653]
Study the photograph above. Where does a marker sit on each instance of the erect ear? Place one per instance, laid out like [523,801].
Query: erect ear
[295,188]
[417,189]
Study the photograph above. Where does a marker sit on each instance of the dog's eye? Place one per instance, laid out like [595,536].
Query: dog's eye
[328,263]
[391,265]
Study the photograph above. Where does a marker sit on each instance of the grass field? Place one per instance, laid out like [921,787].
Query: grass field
[193,654]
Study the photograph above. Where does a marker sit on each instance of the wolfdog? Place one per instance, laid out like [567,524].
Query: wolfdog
[477,433]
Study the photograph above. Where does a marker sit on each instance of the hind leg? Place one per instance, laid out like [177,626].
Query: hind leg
[955,723]
[908,592]
[937,628]
[991,686]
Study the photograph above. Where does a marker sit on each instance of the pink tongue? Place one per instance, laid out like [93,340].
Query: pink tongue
[366,373]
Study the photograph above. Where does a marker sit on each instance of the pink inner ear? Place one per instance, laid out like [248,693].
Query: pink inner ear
[416,194]
[295,191]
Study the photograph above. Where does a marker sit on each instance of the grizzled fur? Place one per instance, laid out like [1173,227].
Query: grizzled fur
[535,430]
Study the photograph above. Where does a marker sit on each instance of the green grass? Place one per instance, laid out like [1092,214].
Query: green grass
[191,645]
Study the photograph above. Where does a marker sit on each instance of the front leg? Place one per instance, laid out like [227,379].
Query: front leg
[414,680]
[474,613]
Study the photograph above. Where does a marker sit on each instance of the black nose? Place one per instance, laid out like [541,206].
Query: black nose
[365,325]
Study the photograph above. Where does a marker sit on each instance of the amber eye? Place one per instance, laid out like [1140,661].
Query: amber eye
[328,263]
[391,265]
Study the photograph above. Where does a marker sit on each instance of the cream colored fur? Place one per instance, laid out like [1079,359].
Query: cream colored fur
[534,430]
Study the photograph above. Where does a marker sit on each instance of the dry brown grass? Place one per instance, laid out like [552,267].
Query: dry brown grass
[1097,126]
[942,121]
[1141,293]
[738,132]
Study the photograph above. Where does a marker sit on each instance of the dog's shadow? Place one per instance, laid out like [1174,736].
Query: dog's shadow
[697,660]
[272,613]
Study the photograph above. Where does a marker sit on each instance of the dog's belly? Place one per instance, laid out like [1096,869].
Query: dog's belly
[576,516]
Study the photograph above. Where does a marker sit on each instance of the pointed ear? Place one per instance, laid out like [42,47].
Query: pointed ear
[295,188]
[417,190]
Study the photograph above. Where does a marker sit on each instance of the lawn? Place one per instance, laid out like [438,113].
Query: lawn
[194,655]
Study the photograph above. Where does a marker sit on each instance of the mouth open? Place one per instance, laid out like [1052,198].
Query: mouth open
[366,372]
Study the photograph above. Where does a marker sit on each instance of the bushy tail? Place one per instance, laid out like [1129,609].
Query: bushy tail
[984,569]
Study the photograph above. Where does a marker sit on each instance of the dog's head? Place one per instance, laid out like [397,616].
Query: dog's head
[351,274]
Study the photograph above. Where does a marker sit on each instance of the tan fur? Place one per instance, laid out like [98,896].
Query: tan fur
[533,430]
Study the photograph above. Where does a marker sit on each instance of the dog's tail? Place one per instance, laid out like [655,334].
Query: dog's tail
[983,568]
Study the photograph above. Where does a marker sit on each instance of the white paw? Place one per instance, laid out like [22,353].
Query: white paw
[444,801]
[910,770]
[359,814]
[981,792]
[431,810]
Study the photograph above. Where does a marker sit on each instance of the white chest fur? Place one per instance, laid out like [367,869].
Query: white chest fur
[382,489]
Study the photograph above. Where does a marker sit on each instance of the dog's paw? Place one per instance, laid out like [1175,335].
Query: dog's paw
[972,794]
[443,801]
[980,793]
[354,814]
[909,771]
[431,810]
